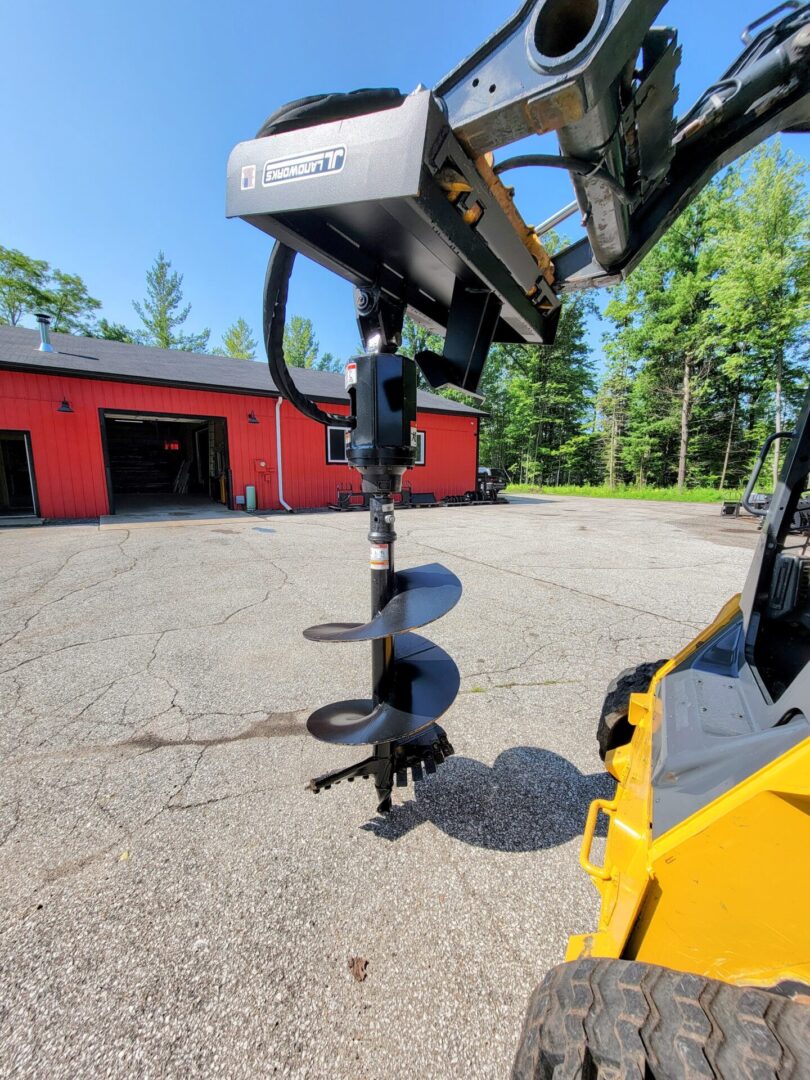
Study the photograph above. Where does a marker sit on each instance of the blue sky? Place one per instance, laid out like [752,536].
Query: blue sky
[123,116]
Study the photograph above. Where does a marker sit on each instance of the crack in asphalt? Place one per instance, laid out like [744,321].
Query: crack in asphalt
[555,585]
[70,592]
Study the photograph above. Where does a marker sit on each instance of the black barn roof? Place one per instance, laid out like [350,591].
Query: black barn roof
[97,358]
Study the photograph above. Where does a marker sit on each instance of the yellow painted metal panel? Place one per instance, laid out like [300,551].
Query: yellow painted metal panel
[731,884]
[723,894]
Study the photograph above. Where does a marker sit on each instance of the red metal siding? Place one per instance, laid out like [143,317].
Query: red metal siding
[67,448]
[451,454]
[69,458]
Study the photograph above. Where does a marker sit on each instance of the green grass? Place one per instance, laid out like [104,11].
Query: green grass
[627,491]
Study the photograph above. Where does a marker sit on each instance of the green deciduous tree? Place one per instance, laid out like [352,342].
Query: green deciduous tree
[495,449]
[112,331]
[70,304]
[28,285]
[612,406]
[300,343]
[663,328]
[238,341]
[709,348]
[163,313]
[417,338]
[762,296]
[23,285]
[548,403]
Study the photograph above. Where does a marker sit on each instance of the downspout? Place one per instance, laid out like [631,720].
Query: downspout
[280,471]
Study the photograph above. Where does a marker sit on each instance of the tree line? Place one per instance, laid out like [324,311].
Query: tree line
[709,349]
[705,350]
[705,353]
[29,285]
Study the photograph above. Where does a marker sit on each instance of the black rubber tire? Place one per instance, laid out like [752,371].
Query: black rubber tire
[614,728]
[612,1019]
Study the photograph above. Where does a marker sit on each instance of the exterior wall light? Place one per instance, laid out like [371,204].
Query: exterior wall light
[252,417]
[65,406]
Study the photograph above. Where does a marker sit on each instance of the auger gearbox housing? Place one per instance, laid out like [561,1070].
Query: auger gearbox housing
[382,443]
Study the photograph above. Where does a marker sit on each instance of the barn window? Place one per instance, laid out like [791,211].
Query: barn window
[336,445]
[420,448]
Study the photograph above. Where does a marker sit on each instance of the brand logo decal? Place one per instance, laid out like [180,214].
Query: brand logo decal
[304,166]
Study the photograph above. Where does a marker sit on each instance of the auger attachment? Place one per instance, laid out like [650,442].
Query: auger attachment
[413,682]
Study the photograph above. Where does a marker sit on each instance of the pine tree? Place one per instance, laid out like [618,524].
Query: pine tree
[162,312]
[238,341]
[300,343]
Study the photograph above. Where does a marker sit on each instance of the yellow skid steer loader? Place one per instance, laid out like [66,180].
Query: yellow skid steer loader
[700,964]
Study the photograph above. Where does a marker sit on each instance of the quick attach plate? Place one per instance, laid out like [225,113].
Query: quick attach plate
[361,197]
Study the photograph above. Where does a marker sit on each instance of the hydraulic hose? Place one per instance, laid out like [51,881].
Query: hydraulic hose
[572,165]
[276,286]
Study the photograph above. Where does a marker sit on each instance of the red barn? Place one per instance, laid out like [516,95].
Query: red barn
[96,427]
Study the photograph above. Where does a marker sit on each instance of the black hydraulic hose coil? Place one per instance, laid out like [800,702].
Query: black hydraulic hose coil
[276,287]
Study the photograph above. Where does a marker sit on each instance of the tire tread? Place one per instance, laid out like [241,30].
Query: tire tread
[613,728]
[606,1019]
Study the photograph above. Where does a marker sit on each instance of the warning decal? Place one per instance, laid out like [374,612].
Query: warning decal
[378,559]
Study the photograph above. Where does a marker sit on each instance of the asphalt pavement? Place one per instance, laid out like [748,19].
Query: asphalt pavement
[173,903]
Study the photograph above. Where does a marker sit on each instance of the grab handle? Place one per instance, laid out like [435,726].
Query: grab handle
[599,873]
[751,507]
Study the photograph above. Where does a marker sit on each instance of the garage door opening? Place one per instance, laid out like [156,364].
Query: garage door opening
[174,464]
[18,495]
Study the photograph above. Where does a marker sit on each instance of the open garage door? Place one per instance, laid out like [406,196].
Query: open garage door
[18,495]
[163,462]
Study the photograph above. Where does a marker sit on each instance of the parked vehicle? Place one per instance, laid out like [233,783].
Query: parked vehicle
[491,482]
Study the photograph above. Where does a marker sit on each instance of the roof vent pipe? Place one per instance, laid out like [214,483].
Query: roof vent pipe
[44,321]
